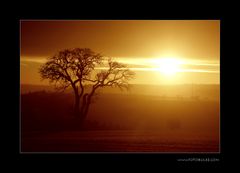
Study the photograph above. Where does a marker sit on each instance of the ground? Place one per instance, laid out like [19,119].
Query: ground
[122,122]
[118,141]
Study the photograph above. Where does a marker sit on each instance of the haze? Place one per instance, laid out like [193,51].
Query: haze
[143,44]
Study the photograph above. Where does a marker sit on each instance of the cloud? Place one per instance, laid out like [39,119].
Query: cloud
[148,64]
[186,65]
[26,60]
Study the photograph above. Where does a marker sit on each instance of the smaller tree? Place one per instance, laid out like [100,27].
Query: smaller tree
[78,68]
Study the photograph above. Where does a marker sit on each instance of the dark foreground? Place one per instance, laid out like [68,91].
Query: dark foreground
[120,123]
[118,141]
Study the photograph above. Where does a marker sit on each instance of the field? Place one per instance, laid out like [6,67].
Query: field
[118,141]
[120,123]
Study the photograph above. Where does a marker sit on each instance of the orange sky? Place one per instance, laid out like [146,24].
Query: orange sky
[195,43]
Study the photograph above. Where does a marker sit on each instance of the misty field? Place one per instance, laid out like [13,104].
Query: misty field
[120,123]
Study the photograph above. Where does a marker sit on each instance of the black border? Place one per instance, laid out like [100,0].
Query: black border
[137,160]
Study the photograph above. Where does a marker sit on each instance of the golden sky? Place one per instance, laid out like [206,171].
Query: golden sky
[159,51]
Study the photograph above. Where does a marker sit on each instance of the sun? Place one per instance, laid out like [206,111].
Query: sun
[167,66]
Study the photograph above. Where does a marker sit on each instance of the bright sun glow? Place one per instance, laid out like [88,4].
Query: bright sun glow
[167,66]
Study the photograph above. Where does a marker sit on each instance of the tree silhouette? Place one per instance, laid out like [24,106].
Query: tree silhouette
[78,68]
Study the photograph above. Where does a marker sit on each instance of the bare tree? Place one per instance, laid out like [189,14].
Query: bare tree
[78,68]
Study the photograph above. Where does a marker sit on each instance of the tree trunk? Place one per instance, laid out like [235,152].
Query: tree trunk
[87,105]
[86,110]
[83,111]
[76,106]
[78,113]
[83,107]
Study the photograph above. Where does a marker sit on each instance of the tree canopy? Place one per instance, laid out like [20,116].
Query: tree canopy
[79,67]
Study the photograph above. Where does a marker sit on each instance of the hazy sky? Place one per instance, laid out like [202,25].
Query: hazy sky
[195,43]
